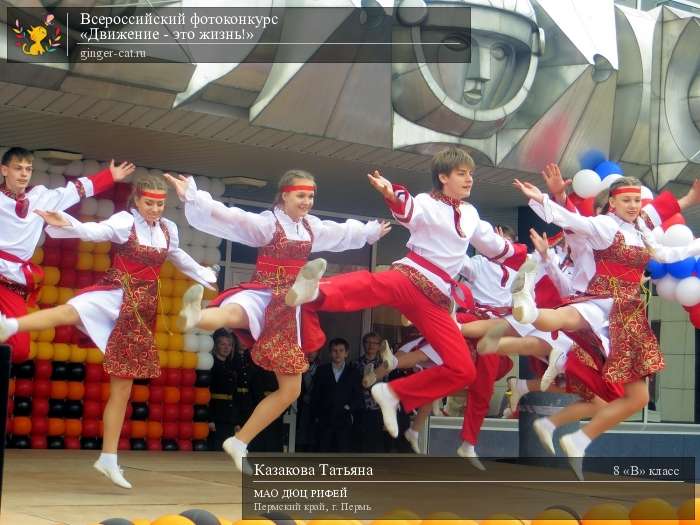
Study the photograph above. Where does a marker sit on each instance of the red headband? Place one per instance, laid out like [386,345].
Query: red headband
[299,187]
[626,189]
[151,195]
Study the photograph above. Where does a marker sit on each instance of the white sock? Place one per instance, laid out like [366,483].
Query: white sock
[12,326]
[467,447]
[547,424]
[521,387]
[561,363]
[108,460]
[239,444]
[581,440]
[393,362]
[412,433]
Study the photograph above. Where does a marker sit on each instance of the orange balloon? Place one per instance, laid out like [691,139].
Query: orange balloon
[138,429]
[56,427]
[171,394]
[11,387]
[201,396]
[603,513]
[689,512]
[22,426]
[105,388]
[653,511]
[76,390]
[200,430]
[154,430]
[59,389]
[73,427]
[139,393]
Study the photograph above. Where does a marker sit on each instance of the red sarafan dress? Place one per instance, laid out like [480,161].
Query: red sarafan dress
[119,312]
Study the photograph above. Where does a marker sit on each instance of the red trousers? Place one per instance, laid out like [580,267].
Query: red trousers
[14,305]
[489,369]
[359,290]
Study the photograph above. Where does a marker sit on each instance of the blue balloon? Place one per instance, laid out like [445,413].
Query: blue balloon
[591,158]
[697,267]
[656,269]
[682,269]
[608,167]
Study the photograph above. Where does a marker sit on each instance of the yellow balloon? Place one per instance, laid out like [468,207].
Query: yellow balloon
[167,270]
[555,517]
[78,354]
[44,350]
[689,512]
[165,305]
[176,342]
[51,276]
[103,247]
[94,356]
[501,519]
[189,359]
[141,521]
[161,341]
[38,256]
[101,262]
[210,294]
[175,359]
[33,335]
[172,519]
[32,350]
[48,295]
[653,511]
[84,261]
[162,323]
[175,323]
[163,358]
[64,295]
[603,513]
[47,335]
[166,287]
[86,246]
[61,352]
[180,287]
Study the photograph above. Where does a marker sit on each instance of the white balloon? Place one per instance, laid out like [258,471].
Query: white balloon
[666,287]
[40,178]
[90,167]
[56,169]
[213,242]
[198,239]
[678,235]
[688,291]
[105,208]
[139,172]
[203,183]
[56,180]
[74,169]
[205,343]
[607,181]
[191,343]
[658,234]
[197,253]
[647,194]
[89,207]
[204,361]
[212,256]
[586,184]
[218,188]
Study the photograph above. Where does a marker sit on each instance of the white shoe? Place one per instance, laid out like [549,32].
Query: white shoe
[388,356]
[523,290]
[544,435]
[191,311]
[574,454]
[405,321]
[368,376]
[553,368]
[412,439]
[470,454]
[437,407]
[488,344]
[305,287]
[514,397]
[114,474]
[389,405]
[238,454]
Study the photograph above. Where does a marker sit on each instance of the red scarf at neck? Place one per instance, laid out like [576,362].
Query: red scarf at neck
[455,203]
[22,203]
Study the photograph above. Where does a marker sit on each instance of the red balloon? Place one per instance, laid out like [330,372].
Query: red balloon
[105,376]
[586,207]
[69,278]
[40,426]
[673,219]
[39,441]
[40,406]
[11,408]
[91,409]
[42,389]
[173,376]
[156,393]
[71,443]
[695,315]
[42,369]
[70,244]
[187,395]
[129,411]
[20,354]
[158,381]
[63,334]
[24,387]
[93,391]
[189,376]
[185,445]
[52,256]
[170,430]
[186,413]
[69,258]
[155,412]
[124,444]
[50,242]
[170,412]
[154,444]
[126,429]
[84,279]
[185,430]
[91,428]
[93,373]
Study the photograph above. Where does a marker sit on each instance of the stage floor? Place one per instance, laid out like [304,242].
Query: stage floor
[48,487]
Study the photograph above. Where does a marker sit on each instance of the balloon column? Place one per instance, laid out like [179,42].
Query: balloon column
[58,392]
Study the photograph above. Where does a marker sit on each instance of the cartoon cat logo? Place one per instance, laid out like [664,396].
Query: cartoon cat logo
[37,40]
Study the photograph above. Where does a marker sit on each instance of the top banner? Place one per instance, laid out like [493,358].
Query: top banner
[413,35]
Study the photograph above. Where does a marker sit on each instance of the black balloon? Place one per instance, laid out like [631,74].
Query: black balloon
[200,517]
[74,409]
[170,445]
[23,406]
[138,444]
[24,370]
[20,442]
[89,443]
[116,521]
[141,381]
[199,445]
[203,378]
[76,372]
[57,408]
[201,413]
[279,518]
[55,442]
[60,371]
[139,411]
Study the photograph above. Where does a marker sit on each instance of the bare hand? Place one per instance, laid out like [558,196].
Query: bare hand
[384,228]
[53,218]
[556,185]
[382,185]
[540,242]
[529,190]
[692,197]
[122,171]
[180,184]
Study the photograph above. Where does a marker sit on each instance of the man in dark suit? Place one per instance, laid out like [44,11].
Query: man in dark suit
[336,395]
